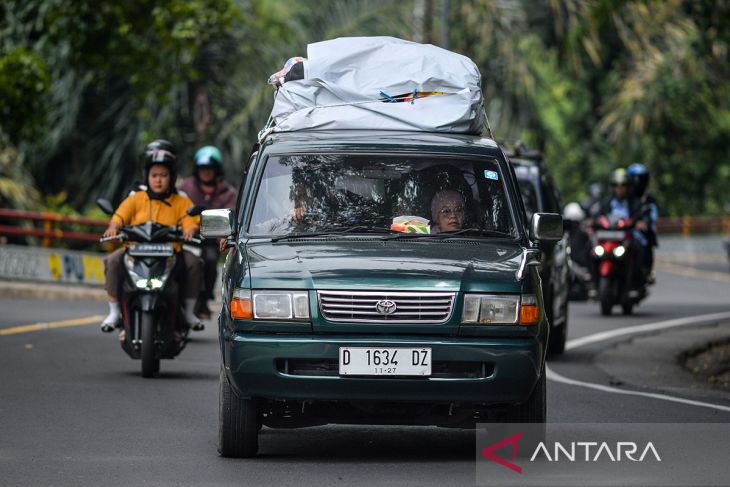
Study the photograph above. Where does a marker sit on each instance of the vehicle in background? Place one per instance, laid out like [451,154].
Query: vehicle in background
[540,195]
[153,323]
[580,246]
[612,251]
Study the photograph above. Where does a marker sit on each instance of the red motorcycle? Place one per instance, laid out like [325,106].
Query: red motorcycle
[615,264]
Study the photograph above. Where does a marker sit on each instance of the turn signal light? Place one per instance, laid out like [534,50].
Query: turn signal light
[241,305]
[529,311]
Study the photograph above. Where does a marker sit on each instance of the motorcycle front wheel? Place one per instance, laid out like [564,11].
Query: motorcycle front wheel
[147,329]
[605,294]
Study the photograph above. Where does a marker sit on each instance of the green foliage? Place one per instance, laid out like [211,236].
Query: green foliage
[17,188]
[595,85]
[24,80]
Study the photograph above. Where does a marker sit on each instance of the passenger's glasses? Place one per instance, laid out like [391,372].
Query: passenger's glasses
[446,211]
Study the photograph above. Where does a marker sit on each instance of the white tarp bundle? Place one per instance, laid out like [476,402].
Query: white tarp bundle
[347,79]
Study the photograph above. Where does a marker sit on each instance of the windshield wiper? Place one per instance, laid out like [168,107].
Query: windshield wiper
[478,231]
[338,231]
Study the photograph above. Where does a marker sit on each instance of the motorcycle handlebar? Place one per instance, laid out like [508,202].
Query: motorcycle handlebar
[174,236]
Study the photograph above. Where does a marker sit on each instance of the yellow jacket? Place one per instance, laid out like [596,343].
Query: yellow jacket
[140,208]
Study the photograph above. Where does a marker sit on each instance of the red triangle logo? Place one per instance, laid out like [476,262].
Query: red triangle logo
[512,440]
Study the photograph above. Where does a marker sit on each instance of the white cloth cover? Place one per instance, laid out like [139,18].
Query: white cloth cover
[343,79]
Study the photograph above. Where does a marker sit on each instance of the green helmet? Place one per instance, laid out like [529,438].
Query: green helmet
[618,177]
[209,156]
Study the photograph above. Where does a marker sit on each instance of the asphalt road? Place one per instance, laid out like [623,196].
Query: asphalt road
[74,410]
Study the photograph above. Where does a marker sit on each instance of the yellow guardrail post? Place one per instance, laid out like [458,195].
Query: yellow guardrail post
[48,227]
[686,226]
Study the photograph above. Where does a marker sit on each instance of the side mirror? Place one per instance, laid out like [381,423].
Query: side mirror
[217,223]
[546,227]
[195,210]
[105,206]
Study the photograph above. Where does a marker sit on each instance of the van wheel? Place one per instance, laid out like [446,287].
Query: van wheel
[558,335]
[238,428]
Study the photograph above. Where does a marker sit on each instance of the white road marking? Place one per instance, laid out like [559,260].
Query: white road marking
[646,328]
[633,330]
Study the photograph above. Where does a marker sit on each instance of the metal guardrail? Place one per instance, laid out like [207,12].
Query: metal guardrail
[694,225]
[685,226]
[51,223]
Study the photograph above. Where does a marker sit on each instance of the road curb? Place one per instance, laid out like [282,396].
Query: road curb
[28,290]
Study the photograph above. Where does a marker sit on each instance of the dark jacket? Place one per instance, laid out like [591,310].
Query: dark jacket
[224,195]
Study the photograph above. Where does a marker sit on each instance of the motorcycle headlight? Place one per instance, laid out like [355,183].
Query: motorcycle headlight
[599,251]
[280,305]
[619,251]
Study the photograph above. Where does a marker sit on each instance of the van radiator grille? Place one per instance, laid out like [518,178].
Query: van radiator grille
[386,307]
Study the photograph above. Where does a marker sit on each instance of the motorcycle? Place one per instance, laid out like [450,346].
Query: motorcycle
[612,254]
[581,286]
[153,322]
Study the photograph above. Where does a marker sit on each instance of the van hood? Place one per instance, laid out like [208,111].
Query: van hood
[342,264]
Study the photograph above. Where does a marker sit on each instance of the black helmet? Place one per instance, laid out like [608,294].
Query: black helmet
[160,151]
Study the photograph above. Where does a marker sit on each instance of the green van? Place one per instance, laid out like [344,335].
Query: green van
[379,278]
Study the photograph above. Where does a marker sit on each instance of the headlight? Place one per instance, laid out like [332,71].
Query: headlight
[619,251]
[270,305]
[489,309]
[599,251]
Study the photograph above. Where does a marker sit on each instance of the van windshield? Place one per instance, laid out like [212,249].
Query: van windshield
[300,194]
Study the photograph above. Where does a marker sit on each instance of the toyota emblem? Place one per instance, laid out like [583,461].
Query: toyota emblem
[385,307]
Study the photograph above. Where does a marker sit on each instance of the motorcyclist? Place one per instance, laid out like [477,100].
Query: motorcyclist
[159,203]
[580,252]
[622,205]
[639,181]
[206,187]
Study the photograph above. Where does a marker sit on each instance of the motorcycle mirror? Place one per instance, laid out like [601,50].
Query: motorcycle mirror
[105,206]
[195,210]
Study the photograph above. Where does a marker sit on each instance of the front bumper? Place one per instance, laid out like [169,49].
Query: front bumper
[258,366]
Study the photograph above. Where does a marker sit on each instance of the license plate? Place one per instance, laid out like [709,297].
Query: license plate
[150,250]
[610,234]
[385,361]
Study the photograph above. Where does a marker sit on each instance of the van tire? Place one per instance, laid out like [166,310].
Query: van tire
[238,425]
[534,410]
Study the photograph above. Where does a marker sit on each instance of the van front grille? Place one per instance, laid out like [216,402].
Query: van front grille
[386,307]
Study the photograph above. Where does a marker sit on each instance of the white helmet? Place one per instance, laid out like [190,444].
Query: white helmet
[574,212]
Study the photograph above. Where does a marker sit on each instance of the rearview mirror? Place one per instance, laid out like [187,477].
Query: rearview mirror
[105,206]
[217,223]
[546,227]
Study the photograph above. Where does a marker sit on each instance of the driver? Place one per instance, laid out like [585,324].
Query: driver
[161,204]
[447,211]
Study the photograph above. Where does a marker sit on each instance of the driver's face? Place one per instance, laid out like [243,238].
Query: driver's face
[206,174]
[450,215]
[619,191]
[159,178]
